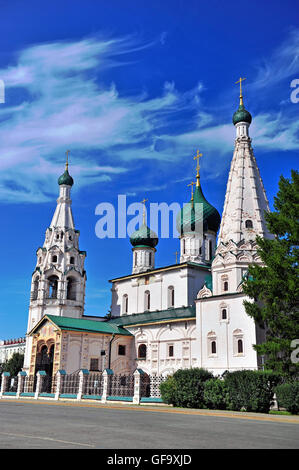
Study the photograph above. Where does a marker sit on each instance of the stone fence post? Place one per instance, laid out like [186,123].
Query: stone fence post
[107,375]
[5,380]
[83,375]
[59,379]
[137,385]
[21,381]
[39,382]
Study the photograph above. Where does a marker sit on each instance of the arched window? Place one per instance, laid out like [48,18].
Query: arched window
[238,343]
[150,259]
[184,246]
[212,343]
[224,314]
[213,347]
[53,287]
[240,346]
[125,304]
[54,259]
[170,296]
[210,250]
[72,260]
[248,224]
[35,288]
[142,351]
[147,300]
[71,289]
[225,286]
[57,236]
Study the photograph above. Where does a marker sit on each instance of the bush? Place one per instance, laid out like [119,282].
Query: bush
[288,396]
[216,394]
[186,388]
[250,390]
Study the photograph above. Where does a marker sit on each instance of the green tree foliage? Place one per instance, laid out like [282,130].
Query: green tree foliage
[216,394]
[14,364]
[186,388]
[274,287]
[288,396]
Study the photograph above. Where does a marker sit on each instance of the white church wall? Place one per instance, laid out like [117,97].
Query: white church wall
[226,333]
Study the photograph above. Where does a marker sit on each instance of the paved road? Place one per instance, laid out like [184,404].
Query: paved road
[27,425]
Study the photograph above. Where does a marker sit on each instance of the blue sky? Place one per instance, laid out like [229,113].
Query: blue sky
[133,89]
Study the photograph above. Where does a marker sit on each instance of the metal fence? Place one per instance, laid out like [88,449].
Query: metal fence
[29,384]
[93,385]
[121,386]
[70,384]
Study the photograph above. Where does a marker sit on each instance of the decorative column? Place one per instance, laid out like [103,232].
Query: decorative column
[5,380]
[83,375]
[107,375]
[137,385]
[21,380]
[59,380]
[39,382]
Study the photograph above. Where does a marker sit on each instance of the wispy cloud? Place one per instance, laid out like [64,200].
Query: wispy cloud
[64,102]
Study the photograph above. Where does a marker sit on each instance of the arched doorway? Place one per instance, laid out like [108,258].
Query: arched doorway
[44,359]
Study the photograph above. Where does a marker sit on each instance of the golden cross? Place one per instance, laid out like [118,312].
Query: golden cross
[191,184]
[176,257]
[240,81]
[197,157]
[143,216]
[67,159]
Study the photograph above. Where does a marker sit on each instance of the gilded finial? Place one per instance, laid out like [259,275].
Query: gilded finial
[67,159]
[143,215]
[197,157]
[241,96]
[191,184]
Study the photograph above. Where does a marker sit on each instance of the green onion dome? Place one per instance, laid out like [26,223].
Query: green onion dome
[144,237]
[191,213]
[242,115]
[66,179]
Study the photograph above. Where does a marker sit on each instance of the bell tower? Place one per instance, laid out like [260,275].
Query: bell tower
[58,280]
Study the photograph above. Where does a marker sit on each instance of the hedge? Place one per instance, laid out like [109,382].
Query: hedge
[216,394]
[287,396]
[185,388]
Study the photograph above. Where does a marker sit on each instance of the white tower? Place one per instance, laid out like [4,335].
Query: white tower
[58,281]
[143,241]
[198,223]
[243,214]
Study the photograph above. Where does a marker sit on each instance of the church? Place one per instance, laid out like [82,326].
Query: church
[189,314]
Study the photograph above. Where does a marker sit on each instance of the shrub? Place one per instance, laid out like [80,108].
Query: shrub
[250,390]
[216,394]
[185,388]
[288,396]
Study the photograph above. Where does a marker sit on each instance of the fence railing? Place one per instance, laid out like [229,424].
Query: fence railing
[137,387]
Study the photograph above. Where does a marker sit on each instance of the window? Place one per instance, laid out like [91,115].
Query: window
[35,288]
[248,224]
[57,236]
[121,350]
[224,314]
[170,296]
[210,250]
[184,246]
[170,350]
[142,351]
[212,344]
[54,259]
[147,300]
[71,289]
[70,238]
[53,287]
[150,259]
[225,286]
[125,304]
[135,259]
[72,260]
[238,343]
[94,364]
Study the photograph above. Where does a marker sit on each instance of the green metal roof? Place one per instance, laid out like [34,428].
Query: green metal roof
[80,324]
[155,317]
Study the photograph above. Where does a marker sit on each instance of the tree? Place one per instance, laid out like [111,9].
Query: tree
[274,286]
[14,364]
